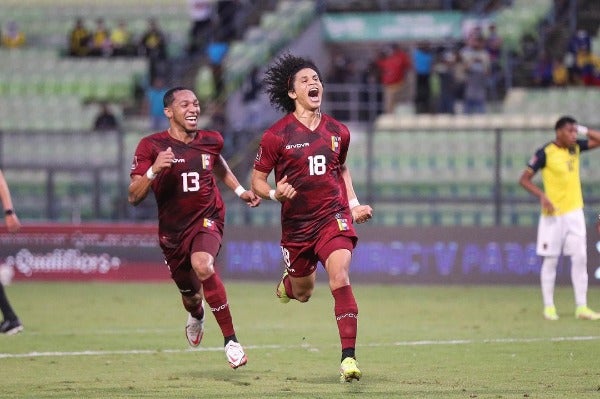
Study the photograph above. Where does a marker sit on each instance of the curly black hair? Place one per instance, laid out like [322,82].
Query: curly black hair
[279,79]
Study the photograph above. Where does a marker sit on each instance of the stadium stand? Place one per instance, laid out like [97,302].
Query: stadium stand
[521,18]
[442,169]
[261,42]
[47,23]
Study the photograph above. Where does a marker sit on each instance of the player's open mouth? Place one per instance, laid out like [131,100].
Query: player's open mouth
[191,119]
[313,94]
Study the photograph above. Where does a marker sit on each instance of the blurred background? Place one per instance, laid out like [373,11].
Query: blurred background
[446,101]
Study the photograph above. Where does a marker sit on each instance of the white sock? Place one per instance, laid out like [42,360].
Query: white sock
[548,279]
[579,278]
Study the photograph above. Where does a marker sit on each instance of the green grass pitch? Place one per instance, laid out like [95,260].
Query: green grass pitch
[113,340]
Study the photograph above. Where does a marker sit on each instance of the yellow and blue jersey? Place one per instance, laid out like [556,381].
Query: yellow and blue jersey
[560,174]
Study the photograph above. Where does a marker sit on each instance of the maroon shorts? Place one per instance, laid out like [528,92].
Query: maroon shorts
[301,258]
[180,262]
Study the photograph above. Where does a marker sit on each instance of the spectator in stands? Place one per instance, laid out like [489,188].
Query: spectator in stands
[251,90]
[121,40]
[216,52]
[153,104]
[100,41]
[444,68]
[460,79]
[13,36]
[79,39]
[560,73]
[226,13]
[580,43]
[588,67]
[423,63]
[201,14]
[493,45]
[153,45]
[394,65]
[106,119]
[561,228]
[338,72]
[366,73]
[542,71]
[10,324]
[477,68]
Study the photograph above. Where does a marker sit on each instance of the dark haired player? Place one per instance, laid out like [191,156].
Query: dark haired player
[307,149]
[561,227]
[180,165]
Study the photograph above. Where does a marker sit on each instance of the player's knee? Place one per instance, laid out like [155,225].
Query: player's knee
[579,259]
[303,296]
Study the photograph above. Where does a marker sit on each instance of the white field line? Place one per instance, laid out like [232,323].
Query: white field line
[259,347]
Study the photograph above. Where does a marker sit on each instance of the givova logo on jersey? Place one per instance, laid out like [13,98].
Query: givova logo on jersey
[335,143]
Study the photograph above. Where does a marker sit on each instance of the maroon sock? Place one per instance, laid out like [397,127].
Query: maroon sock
[216,297]
[346,315]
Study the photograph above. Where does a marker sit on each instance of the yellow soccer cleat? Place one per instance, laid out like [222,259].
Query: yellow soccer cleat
[280,291]
[550,313]
[585,313]
[349,370]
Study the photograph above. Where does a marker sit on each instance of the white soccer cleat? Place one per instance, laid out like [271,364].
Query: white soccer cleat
[11,327]
[194,330]
[235,354]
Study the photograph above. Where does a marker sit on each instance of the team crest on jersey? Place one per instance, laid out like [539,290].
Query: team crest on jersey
[208,224]
[342,224]
[335,143]
[205,161]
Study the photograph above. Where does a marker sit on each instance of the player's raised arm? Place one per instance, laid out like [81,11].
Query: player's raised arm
[592,135]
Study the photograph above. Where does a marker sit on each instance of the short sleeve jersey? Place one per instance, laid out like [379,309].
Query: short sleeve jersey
[560,174]
[312,161]
[186,193]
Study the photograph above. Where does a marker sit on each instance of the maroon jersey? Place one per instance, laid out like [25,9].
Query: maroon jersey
[312,161]
[186,193]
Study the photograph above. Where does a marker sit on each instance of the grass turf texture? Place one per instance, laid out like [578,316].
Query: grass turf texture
[94,340]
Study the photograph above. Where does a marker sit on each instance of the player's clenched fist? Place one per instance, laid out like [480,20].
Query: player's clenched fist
[163,160]
[362,213]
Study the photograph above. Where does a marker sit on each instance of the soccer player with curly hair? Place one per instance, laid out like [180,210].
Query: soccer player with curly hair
[307,150]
